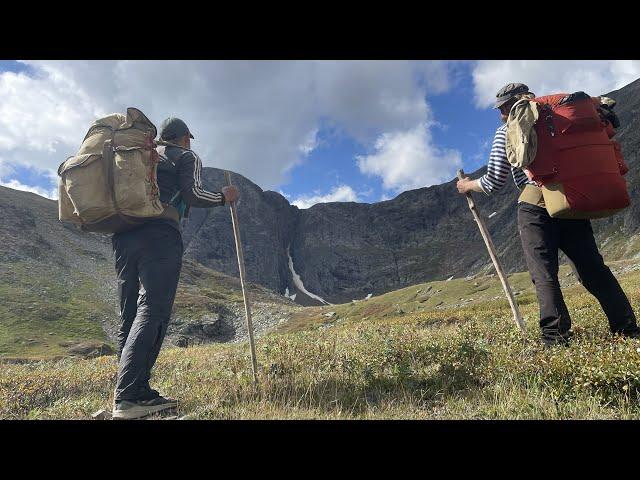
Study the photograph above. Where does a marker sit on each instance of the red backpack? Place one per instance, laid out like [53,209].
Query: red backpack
[578,166]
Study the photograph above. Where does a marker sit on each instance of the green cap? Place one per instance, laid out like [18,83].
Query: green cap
[173,128]
[507,92]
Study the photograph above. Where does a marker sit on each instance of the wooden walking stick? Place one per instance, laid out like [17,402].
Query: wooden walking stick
[245,293]
[494,257]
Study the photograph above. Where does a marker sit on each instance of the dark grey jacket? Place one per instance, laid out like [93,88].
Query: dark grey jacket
[179,179]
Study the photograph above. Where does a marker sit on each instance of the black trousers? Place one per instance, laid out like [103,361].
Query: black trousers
[542,237]
[148,262]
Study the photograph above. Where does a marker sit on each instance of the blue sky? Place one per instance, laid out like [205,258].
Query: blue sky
[462,126]
[12,66]
[315,131]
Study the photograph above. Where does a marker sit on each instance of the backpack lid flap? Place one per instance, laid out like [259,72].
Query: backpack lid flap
[77,161]
[112,122]
[140,120]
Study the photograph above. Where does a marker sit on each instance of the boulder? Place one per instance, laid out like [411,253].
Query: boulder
[90,349]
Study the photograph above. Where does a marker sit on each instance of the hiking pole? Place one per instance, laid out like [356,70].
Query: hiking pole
[494,257]
[245,293]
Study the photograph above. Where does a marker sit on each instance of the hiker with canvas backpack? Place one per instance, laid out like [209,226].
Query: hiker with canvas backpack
[148,264]
[120,182]
[569,229]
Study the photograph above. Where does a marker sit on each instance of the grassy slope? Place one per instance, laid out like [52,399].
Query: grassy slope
[203,290]
[460,362]
[474,294]
[40,315]
[43,313]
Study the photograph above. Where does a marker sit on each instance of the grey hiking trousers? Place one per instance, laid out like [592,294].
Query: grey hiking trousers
[542,237]
[148,261]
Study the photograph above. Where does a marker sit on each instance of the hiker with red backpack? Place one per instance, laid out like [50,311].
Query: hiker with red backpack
[559,152]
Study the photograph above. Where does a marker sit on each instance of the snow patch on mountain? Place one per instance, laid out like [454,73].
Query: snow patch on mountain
[297,281]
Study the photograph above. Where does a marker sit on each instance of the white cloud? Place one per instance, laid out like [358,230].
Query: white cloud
[365,192]
[544,77]
[5,168]
[261,118]
[16,185]
[409,159]
[385,197]
[367,98]
[258,118]
[310,143]
[340,193]
[43,118]
[439,76]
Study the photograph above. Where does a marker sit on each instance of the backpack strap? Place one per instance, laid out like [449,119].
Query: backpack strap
[108,152]
[166,143]
[548,117]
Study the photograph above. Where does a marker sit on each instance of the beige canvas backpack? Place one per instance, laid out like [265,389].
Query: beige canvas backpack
[110,185]
[521,139]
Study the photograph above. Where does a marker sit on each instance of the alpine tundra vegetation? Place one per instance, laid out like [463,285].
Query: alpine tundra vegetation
[387,357]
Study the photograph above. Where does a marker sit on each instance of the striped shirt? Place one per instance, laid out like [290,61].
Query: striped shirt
[499,167]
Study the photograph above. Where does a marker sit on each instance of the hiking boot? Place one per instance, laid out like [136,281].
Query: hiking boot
[150,394]
[630,333]
[554,340]
[130,409]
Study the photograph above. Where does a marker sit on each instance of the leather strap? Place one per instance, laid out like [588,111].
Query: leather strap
[533,195]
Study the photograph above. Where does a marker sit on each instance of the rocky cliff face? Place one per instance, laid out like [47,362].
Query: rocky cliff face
[266,222]
[344,251]
[628,110]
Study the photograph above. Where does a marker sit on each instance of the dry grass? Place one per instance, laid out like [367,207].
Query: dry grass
[456,363]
